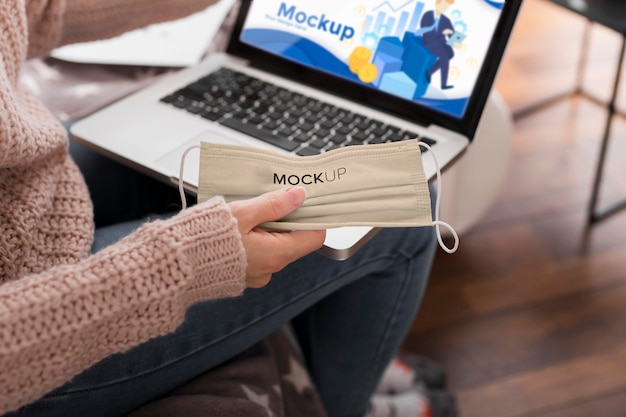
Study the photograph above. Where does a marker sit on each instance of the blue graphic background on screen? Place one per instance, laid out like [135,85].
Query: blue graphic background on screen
[298,49]
[498,4]
[398,53]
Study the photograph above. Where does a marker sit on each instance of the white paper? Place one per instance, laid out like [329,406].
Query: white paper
[178,43]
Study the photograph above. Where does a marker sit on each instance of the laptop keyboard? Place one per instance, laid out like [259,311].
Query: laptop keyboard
[292,121]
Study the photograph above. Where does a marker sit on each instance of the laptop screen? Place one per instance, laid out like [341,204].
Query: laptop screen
[425,51]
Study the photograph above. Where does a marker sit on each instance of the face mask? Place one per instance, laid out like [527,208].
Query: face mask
[380,185]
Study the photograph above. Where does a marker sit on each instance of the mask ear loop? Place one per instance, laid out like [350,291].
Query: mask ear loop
[181,188]
[438,223]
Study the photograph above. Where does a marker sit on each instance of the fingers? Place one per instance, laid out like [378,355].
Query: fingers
[297,244]
[270,252]
[268,207]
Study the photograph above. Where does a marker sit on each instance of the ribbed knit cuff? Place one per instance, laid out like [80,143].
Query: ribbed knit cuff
[208,240]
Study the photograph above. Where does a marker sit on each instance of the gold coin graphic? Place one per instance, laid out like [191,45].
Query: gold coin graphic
[358,58]
[362,53]
[368,73]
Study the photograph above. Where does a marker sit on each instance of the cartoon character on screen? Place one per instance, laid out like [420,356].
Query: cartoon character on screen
[437,33]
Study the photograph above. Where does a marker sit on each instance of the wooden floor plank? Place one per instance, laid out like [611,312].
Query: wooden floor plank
[578,276]
[548,388]
[488,348]
[611,405]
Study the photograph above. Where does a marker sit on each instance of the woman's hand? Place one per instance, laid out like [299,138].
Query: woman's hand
[269,252]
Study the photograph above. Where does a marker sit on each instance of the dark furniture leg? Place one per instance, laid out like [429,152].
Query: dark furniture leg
[578,88]
[596,214]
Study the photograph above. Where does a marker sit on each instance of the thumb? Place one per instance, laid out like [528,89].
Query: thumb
[272,206]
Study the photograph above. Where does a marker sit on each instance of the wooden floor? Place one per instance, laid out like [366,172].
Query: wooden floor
[529,316]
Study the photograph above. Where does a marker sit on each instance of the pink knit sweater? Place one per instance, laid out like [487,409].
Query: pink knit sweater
[60,309]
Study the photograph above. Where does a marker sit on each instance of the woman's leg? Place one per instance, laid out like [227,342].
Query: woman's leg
[119,193]
[350,337]
[363,307]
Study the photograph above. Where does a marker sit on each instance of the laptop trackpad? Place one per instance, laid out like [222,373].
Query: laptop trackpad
[172,160]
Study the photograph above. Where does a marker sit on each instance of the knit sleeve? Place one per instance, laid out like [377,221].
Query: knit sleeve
[52,23]
[55,324]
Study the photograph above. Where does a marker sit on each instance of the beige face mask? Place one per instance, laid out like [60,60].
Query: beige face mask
[381,185]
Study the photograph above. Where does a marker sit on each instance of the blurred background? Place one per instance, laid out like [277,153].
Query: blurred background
[529,316]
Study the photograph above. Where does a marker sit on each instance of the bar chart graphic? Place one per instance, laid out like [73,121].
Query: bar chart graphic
[387,20]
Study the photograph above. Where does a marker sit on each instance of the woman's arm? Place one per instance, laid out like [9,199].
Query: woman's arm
[57,323]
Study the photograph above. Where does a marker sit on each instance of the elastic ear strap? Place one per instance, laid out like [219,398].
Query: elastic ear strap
[181,188]
[438,223]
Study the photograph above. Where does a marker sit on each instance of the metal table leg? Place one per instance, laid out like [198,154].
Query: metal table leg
[596,214]
[578,87]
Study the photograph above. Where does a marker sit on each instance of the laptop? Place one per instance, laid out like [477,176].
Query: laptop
[306,77]
[456,37]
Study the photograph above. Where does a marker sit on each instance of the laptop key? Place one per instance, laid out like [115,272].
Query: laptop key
[307,151]
[181,102]
[318,143]
[322,132]
[375,140]
[337,138]
[359,137]
[169,98]
[379,131]
[263,135]
[427,141]
[410,135]
[313,117]
[270,125]
[211,115]
[255,120]
[306,126]
[302,137]
[195,109]
[344,130]
[395,136]
[286,131]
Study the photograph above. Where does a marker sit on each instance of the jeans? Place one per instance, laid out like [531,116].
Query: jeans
[349,318]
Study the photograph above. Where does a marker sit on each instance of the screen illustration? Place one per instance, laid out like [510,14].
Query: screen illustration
[426,51]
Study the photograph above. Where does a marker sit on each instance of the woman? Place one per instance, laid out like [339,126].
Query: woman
[93,325]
